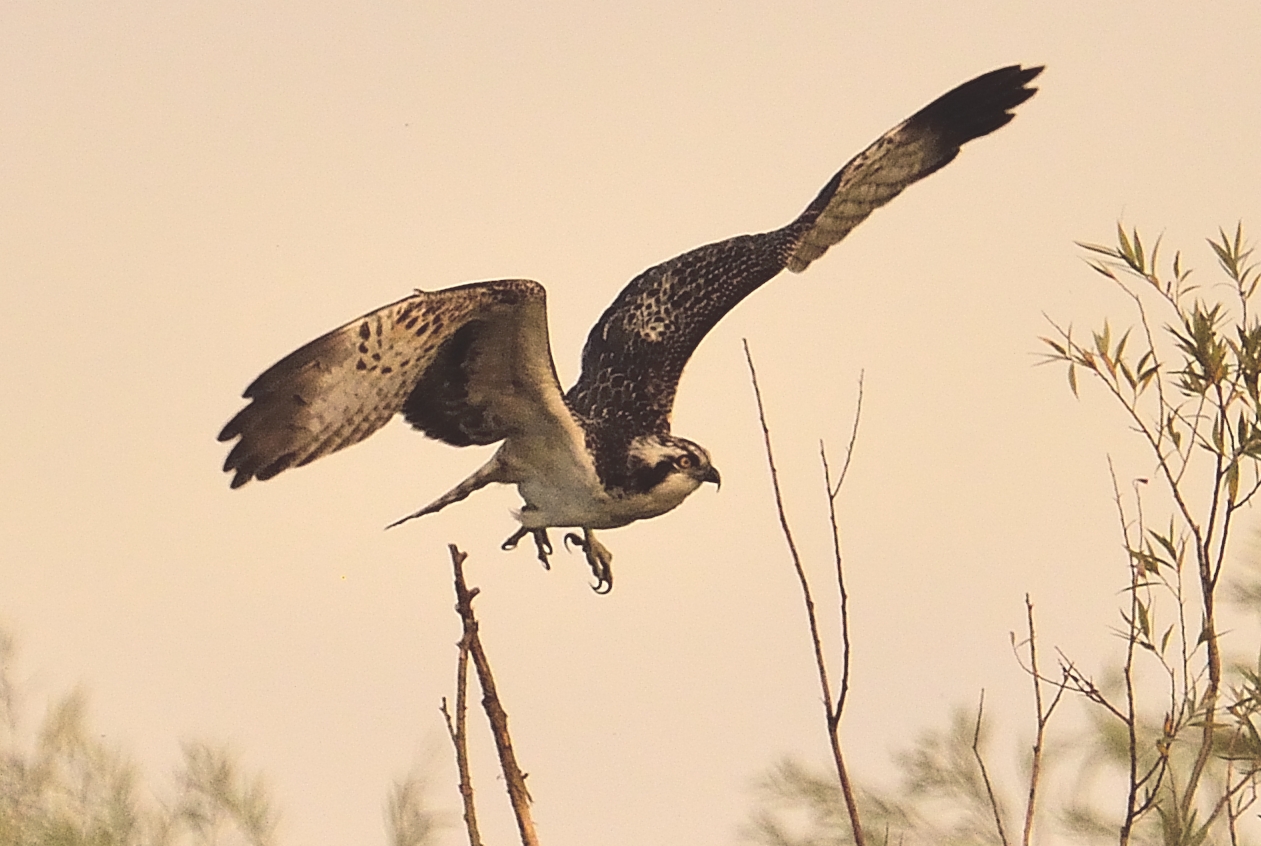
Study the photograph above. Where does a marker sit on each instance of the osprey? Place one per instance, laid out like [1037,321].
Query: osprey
[472,364]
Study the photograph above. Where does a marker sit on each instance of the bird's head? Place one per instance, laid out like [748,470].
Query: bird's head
[669,468]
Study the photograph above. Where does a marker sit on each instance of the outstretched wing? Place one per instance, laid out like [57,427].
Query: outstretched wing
[466,365]
[635,354]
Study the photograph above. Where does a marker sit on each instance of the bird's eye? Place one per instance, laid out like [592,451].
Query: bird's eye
[685,462]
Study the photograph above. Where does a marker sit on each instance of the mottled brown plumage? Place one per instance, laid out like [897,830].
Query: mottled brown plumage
[472,364]
[343,386]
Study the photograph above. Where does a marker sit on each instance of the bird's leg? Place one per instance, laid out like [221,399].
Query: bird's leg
[541,542]
[489,472]
[598,558]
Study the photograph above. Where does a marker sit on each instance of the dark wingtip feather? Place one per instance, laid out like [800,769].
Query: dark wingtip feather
[275,468]
[978,106]
[230,429]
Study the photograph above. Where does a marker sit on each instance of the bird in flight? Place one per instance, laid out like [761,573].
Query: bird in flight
[472,364]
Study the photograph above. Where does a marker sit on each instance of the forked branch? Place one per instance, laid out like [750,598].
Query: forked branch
[985,773]
[514,778]
[832,705]
[458,730]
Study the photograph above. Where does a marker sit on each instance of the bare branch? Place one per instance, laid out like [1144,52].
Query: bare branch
[833,492]
[985,776]
[459,739]
[1131,639]
[515,779]
[831,712]
[1044,716]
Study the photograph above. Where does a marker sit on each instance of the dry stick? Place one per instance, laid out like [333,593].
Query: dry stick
[833,493]
[1044,716]
[1208,588]
[1035,766]
[459,739]
[985,776]
[1230,820]
[833,724]
[517,792]
[1131,639]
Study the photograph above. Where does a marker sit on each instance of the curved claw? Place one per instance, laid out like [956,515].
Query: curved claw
[599,559]
[511,543]
[572,537]
[543,545]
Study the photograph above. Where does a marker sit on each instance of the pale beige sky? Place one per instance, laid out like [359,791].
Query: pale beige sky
[192,190]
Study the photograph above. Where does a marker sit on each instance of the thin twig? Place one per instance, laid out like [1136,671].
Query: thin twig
[1078,683]
[833,493]
[851,804]
[985,775]
[1131,639]
[1044,716]
[834,720]
[515,779]
[853,438]
[459,739]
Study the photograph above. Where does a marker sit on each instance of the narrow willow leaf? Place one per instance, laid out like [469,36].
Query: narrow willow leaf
[1104,269]
[1129,377]
[1167,543]
[1053,345]
[1144,625]
[1110,252]
[1120,350]
[1126,251]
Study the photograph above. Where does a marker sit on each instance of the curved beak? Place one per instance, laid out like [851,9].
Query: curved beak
[713,476]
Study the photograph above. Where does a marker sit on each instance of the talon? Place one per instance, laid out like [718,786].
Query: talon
[571,537]
[511,543]
[600,560]
[543,545]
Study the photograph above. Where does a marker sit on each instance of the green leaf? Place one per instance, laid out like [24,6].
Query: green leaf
[1072,379]
[1127,252]
[1129,377]
[1144,625]
[1103,340]
[1099,267]
[1110,252]
[1053,345]
[1167,543]
[1120,350]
